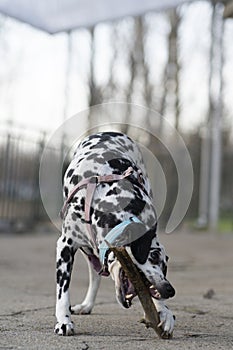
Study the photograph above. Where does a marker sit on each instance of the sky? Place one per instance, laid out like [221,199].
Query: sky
[33,85]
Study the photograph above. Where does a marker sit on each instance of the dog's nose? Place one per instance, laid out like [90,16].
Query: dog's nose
[170,290]
[166,290]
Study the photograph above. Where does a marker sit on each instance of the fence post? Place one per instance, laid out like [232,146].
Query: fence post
[38,206]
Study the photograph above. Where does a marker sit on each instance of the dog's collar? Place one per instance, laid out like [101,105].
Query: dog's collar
[112,235]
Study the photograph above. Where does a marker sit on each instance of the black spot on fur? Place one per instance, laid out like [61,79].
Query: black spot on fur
[135,206]
[59,263]
[111,207]
[63,328]
[88,173]
[60,291]
[61,282]
[115,191]
[94,136]
[70,241]
[74,234]
[79,161]
[74,216]
[70,172]
[108,220]
[59,275]
[91,211]
[78,215]
[97,158]
[82,203]
[66,254]
[108,135]
[99,144]
[75,179]
[120,164]
[65,278]
[86,144]
[92,156]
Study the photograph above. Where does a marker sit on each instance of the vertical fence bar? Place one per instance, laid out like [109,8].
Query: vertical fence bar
[216,88]
[20,203]
[6,175]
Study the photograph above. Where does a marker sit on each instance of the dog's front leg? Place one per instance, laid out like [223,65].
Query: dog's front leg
[167,319]
[65,258]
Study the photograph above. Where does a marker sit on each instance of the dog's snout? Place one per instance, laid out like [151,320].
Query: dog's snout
[166,290]
[170,290]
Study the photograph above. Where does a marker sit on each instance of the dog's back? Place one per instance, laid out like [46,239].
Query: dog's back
[113,202]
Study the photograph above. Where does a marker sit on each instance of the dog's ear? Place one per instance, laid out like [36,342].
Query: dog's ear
[141,247]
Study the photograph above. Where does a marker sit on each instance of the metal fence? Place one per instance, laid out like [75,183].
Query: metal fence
[20,202]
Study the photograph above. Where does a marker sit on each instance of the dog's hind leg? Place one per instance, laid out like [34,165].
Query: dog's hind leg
[94,281]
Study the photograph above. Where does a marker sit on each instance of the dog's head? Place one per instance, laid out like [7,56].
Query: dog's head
[150,258]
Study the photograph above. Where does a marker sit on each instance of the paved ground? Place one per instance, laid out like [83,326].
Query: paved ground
[198,262]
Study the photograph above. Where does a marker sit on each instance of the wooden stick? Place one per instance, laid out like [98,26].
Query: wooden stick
[151,315]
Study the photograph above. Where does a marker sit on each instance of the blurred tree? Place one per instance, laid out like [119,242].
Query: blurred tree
[95,93]
[170,99]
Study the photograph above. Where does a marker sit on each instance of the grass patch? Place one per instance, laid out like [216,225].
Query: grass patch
[225,224]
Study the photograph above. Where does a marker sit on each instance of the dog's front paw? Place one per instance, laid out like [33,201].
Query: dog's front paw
[64,329]
[81,309]
[167,321]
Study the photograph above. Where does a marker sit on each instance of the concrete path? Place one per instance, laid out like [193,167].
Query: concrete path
[198,262]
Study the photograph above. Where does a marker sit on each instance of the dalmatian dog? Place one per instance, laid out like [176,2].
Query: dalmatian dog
[107,197]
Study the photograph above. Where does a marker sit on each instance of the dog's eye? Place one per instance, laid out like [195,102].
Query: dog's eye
[154,257]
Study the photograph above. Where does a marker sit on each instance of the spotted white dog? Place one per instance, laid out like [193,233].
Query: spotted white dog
[107,196]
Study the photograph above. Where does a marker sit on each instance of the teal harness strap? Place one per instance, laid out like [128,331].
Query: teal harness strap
[113,235]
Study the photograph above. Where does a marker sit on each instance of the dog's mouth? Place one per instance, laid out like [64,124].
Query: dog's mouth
[127,291]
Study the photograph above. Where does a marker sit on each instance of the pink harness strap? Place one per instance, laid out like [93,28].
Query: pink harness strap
[91,183]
